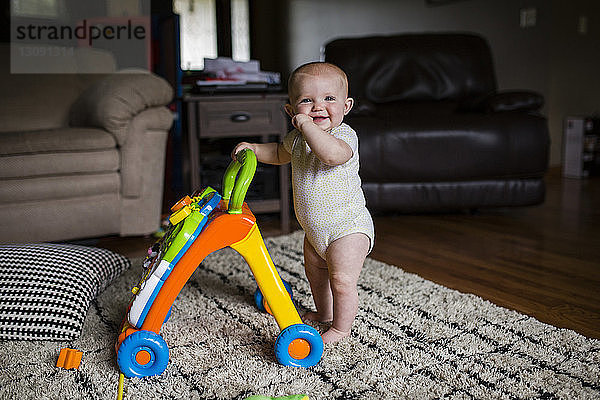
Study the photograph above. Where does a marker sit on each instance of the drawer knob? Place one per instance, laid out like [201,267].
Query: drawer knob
[240,117]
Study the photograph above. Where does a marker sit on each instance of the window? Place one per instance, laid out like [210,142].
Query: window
[199,27]
[36,8]
[240,30]
[198,30]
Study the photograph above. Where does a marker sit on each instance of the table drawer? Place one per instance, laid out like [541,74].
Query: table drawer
[240,118]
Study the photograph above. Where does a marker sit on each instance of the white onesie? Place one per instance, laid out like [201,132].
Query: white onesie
[329,201]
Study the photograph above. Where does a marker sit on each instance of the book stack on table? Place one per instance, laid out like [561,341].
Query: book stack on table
[225,75]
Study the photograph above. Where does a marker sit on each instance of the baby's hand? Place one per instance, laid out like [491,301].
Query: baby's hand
[299,119]
[241,146]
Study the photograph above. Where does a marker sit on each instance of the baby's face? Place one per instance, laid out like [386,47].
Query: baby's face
[323,98]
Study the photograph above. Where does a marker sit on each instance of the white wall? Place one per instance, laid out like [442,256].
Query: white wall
[574,86]
[525,58]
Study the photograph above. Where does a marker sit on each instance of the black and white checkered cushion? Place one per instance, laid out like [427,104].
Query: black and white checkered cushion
[46,289]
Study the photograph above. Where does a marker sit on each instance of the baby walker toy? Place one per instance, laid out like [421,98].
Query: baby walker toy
[199,225]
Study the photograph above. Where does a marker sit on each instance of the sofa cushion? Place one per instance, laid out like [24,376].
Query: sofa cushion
[414,67]
[428,147]
[58,187]
[64,219]
[43,100]
[46,289]
[53,93]
[45,164]
[55,140]
[57,151]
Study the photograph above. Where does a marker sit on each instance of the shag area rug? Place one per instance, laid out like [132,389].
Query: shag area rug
[412,339]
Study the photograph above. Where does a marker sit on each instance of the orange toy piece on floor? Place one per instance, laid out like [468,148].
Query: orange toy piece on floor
[69,358]
[200,225]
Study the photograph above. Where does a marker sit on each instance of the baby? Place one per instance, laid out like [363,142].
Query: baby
[328,199]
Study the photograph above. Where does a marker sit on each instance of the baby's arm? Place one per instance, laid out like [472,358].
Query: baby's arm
[268,153]
[329,149]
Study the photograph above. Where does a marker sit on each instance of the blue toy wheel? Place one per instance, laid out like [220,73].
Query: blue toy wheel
[259,299]
[143,353]
[299,345]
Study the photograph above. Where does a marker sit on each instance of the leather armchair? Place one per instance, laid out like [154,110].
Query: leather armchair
[435,133]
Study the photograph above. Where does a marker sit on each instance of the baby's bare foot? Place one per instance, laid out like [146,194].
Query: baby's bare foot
[313,316]
[333,335]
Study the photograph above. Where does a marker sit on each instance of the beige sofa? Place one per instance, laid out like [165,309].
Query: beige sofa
[81,155]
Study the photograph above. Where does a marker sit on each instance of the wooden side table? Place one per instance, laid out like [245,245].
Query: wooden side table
[238,115]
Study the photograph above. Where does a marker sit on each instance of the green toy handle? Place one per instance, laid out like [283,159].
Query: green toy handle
[236,182]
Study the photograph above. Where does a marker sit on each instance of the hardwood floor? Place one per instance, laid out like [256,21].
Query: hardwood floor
[543,261]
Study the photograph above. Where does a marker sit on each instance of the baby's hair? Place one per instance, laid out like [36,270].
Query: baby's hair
[316,68]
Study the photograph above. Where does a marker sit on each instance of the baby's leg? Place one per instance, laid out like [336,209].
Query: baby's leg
[345,258]
[318,277]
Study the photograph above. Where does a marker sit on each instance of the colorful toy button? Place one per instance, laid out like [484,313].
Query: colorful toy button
[186,201]
[180,215]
